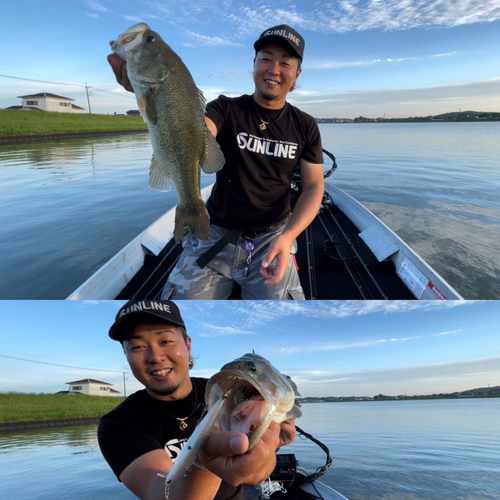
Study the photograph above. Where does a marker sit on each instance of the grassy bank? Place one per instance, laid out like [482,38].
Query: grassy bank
[18,122]
[17,406]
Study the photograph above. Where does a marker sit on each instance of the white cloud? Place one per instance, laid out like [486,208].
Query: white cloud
[418,379]
[242,21]
[450,332]
[197,39]
[94,5]
[339,346]
[225,73]
[352,64]
[404,339]
[445,54]
[399,59]
[219,331]
[343,16]
[338,64]
[415,101]
[132,19]
[255,313]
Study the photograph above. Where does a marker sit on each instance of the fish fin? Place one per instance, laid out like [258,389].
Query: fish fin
[202,99]
[194,218]
[214,158]
[159,178]
[293,384]
[294,413]
[148,107]
[142,111]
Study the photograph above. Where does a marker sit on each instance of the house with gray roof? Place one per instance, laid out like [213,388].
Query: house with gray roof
[45,101]
[91,387]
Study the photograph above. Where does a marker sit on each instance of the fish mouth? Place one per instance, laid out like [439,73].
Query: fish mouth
[247,408]
[244,387]
[129,39]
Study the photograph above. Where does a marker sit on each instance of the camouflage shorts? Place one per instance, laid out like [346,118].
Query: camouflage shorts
[218,279]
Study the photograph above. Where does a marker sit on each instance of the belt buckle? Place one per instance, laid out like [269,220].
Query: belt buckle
[250,235]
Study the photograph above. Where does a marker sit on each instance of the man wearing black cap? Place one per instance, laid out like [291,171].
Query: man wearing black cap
[252,233]
[142,436]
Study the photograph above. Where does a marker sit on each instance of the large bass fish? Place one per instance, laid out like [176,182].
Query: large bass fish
[246,395]
[174,110]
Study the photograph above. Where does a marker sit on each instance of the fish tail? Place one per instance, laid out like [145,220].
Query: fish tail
[193,218]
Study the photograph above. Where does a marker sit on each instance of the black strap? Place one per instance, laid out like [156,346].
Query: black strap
[204,259]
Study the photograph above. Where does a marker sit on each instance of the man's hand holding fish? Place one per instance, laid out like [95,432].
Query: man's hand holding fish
[186,437]
[226,454]
[119,67]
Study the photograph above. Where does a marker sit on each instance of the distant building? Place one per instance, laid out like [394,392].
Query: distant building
[50,102]
[91,387]
[133,112]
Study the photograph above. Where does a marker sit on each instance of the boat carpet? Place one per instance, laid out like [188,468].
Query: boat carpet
[344,267]
[152,276]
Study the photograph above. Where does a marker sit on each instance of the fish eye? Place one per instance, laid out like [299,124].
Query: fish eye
[150,39]
[252,367]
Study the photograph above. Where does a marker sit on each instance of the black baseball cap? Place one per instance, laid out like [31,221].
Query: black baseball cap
[135,310]
[282,34]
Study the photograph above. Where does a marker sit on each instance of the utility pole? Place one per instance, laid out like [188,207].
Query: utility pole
[87,87]
[124,386]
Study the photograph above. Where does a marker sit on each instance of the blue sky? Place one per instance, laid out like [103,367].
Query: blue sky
[328,348]
[363,57]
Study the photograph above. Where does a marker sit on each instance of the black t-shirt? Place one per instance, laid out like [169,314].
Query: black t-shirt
[141,424]
[252,190]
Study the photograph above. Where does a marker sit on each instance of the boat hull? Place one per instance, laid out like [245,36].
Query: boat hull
[423,281]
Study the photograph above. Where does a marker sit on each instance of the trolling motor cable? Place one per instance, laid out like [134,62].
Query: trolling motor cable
[320,470]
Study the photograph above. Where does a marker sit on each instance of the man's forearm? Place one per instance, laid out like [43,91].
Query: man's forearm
[305,211]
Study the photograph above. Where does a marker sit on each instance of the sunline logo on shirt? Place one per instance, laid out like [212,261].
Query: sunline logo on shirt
[270,147]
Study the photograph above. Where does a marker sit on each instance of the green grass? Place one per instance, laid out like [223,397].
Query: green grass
[17,406]
[18,122]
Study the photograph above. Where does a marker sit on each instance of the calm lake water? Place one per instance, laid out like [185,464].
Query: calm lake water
[394,450]
[68,206]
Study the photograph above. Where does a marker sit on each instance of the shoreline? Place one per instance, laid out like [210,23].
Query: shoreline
[17,139]
[42,424]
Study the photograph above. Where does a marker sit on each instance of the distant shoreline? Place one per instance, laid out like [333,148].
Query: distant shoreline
[43,424]
[327,121]
[17,139]
[349,399]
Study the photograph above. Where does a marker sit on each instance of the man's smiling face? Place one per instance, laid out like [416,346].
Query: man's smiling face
[159,356]
[276,70]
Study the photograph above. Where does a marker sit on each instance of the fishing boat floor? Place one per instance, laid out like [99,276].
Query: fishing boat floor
[334,264]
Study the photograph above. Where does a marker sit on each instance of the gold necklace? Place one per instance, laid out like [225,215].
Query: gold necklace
[183,425]
[262,125]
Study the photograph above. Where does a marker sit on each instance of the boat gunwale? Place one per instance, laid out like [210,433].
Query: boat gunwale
[363,218]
